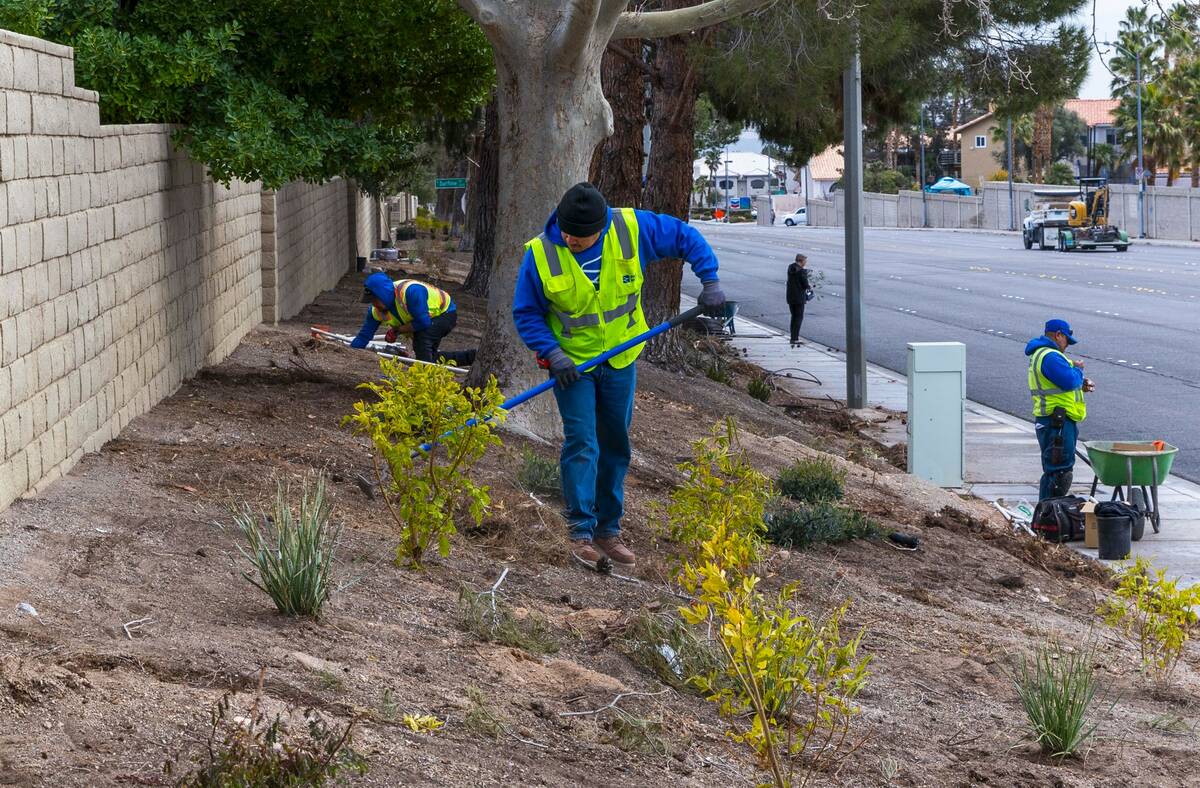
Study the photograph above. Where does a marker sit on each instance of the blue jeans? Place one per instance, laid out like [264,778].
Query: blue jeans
[1058,462]
[596,411]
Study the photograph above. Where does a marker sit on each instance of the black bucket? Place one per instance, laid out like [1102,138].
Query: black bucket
[360,264]
[1114,537]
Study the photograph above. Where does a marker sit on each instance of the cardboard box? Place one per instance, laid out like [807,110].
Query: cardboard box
[1090,538]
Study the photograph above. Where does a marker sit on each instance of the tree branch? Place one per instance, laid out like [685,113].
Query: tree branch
[575,30]
[659,24]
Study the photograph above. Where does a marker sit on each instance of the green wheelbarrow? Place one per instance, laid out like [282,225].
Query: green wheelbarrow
[1125,465]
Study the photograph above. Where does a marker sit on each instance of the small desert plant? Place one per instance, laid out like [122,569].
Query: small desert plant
[427,431]
[255,749]
[718,371]
[480,718]
[805,525]
[1056,688]
[813,480]
[759,388]
[537,474]
[721,503]
[669,649]
[292,550]
[422,723]
[1154,614]
[487,617]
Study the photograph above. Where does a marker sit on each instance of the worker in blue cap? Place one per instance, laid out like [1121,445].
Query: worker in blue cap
[407,306]
[1057,385]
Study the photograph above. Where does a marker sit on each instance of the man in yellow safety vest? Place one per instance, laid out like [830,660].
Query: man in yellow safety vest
[1057,385]
[407,306]
[578,294]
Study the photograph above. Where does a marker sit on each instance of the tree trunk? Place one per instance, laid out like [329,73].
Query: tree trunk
[1043,130]
[669,178]
[552,114]
[617,164]
[483,204]
[1196,173]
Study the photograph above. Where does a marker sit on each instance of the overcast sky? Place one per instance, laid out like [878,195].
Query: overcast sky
[1108,14]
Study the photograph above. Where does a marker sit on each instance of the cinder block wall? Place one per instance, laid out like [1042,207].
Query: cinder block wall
[124,269]
[306,245]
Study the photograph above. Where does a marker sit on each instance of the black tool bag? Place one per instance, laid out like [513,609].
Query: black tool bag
[1059,519]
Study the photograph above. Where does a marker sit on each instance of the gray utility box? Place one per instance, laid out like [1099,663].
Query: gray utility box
[937,393]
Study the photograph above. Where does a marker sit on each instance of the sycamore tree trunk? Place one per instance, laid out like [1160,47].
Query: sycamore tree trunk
[483,204]
[616,168]
[552,114]
[669,177]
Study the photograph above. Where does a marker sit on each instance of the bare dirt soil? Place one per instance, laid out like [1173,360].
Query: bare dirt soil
[141,530]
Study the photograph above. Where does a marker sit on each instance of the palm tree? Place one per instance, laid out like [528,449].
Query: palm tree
[1104,158]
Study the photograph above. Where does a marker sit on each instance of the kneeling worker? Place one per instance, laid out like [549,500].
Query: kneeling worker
[578,294]
[1057,385]
[411,307]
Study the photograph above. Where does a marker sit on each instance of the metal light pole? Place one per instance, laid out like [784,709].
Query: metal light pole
[726,182]
[1012,210]
[852,179]
[1137,57]
[924,194]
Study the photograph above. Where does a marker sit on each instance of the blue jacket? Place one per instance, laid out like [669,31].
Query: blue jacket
[659,237]
[1055,366]
[416,299]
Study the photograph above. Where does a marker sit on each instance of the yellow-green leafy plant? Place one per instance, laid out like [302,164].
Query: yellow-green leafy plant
[787,683]
[1155,614]
[427,431]
[721,504]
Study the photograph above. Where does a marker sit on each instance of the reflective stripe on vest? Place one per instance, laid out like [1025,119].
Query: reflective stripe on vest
[589,318]
[437,299]
[1046,396]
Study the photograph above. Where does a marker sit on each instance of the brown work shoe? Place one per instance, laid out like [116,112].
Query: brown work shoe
[616,550]
[583,551]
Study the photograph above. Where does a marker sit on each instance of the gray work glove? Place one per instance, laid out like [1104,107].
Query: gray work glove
[562,367]
[712,298]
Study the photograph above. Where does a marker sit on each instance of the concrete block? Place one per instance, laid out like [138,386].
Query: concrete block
[6,68]
[25,69]
[54,237]
[50,74]
[18,113]
[20,201]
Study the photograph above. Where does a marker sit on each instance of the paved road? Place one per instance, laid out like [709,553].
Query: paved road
[1136,314]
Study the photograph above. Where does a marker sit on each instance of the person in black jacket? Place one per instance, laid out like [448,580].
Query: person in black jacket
[798,292]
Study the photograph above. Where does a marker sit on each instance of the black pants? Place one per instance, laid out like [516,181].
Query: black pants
[425,343]
[797,319]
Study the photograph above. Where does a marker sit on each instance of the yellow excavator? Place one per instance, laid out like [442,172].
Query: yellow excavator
[1087,220]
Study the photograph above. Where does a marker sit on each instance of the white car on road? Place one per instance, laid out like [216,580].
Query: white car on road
[797,219]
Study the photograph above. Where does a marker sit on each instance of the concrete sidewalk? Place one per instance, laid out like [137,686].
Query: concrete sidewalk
[1003,460]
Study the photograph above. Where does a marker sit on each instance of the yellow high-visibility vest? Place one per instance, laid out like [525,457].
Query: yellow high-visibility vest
[439,302]
[1047,396]
[585,319]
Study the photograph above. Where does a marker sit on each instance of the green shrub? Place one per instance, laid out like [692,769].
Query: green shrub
[538,475]
[803,526]
[413,408]
[254,749]
[1056,688]
[1154,614]
[718,371]
[813,480]
[759,388]
[292,550]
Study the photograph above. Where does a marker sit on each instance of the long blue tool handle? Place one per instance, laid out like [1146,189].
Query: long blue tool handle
[541,388]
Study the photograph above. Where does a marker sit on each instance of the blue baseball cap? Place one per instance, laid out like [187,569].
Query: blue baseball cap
[1060,325]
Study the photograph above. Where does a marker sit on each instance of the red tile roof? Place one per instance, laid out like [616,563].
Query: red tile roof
[1095,112]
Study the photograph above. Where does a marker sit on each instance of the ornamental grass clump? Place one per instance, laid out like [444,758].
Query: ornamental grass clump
[1056,688]
[427,431]
[292,550]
